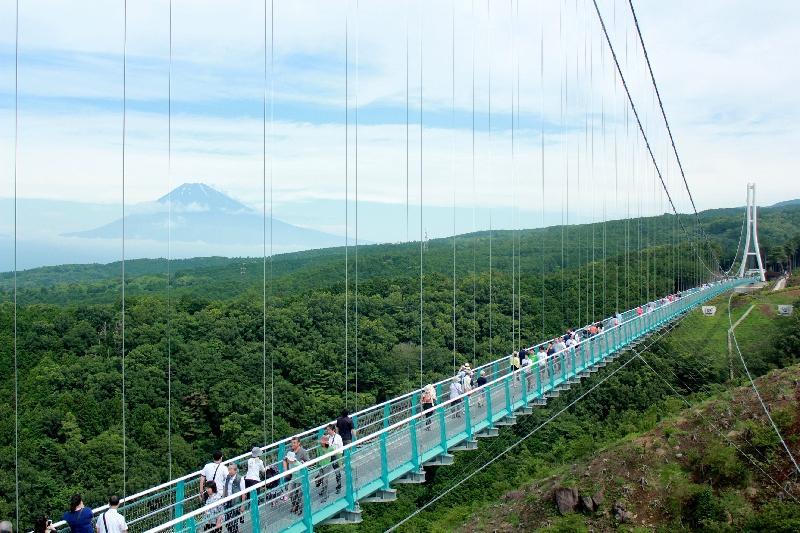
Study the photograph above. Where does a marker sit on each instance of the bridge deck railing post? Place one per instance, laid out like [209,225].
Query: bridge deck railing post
[443,423]
[349,480]
[306,488]
[179,497]
[468,420]
[384,461]
[489,410]
[255,516]
[412,432]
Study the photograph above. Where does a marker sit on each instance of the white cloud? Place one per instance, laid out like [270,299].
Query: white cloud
[723,69]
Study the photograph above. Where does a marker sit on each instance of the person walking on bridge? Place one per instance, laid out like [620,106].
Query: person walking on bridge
[213,471]
[255,467]
[111,521]
[335,442]
[455,392]
[346,427]
[293,459]
[233,484]
[428,399]
[213,514]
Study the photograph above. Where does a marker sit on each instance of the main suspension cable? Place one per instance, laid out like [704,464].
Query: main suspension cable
[666,123]
[642,130]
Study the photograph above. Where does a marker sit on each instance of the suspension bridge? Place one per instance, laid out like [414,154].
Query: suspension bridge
[399,438]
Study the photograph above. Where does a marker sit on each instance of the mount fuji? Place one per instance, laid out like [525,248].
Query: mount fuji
[198,213]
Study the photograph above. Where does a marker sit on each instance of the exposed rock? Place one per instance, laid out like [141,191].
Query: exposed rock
[588,504]
[514,495]
[566,499]
[622,515]
[598,499]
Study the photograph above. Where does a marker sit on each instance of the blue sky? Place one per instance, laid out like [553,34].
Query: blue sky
[722,69]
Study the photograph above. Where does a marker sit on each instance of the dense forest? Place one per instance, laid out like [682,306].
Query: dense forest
[208,322]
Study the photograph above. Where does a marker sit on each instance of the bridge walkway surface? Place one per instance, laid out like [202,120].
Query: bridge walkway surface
[396,439]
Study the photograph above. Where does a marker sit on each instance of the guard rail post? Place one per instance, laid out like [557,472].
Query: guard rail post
[306,488]
[412,432]
[538,380]
[348,480]
[281,456]
[443,424]
[255,516]
[507,386]
[488,405]
[384,462]
[468,421]
[386,414]
[179,496]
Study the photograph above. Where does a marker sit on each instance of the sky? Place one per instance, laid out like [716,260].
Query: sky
[297,104]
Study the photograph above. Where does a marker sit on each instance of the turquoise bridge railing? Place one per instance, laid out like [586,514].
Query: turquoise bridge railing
[396,439]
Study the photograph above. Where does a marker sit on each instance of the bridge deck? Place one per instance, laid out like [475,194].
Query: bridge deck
[393,439]
[396,439]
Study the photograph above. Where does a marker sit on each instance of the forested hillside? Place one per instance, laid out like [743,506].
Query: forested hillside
[209,323]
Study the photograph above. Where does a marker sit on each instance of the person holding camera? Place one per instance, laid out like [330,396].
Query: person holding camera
[43,525]
[79,517]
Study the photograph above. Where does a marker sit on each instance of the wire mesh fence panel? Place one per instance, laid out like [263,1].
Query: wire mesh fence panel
[455,421]
[370,422]
[400,410]
[366,464]
[398,448]
[323,483]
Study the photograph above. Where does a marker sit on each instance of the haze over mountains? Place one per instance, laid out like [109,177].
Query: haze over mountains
[206,222]
[200,214]
[203,221]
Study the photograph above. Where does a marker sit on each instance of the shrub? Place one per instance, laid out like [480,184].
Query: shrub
[777,517]
[720,465]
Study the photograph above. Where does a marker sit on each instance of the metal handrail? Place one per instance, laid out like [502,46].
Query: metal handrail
[169,485]
[400,424]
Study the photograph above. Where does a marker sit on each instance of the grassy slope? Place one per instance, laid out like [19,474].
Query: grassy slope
[651,454]
[656,475]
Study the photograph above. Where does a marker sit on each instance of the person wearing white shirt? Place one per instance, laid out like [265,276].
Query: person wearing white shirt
[336,443]
[214,471]
[255,467]
[541,356]
[111,521]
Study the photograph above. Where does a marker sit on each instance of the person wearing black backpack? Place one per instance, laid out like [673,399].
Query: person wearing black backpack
[214,471]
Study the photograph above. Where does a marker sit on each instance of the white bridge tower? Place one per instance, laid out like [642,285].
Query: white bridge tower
[752,237]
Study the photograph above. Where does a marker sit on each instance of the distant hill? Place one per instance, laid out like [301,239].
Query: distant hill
[785,203]
[199,213]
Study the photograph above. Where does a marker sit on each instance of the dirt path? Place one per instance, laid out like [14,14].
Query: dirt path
[780,284]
